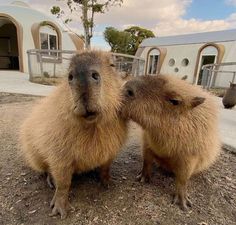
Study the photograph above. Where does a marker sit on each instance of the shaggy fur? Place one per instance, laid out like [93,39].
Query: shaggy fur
[77,127]
[180,123]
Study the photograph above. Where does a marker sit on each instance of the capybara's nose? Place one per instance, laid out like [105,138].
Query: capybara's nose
[94,77]
[89,78]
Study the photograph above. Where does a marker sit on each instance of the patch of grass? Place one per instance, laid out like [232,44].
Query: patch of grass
[219,92]
[53,81]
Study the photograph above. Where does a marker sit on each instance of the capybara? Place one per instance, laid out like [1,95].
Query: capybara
[229,99]
[77,128]
[180,123]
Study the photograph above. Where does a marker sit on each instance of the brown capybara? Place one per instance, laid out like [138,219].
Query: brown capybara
[77,127]
[229,99]
[180,123]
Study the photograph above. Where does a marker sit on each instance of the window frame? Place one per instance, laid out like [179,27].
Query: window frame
[49,54]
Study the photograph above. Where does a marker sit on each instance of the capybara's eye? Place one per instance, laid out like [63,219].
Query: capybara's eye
[174,102]
[130,93]
[95,75]
[70,77]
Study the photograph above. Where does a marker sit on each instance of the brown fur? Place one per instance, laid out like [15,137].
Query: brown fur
[58,137]
[180,123]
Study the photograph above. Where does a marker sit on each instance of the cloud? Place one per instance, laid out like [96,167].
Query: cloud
[145,13]
[164,17]
[181,26]
[231,2]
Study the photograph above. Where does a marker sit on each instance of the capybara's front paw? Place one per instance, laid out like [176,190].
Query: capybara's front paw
[143,177]
[183,202]
[60,205]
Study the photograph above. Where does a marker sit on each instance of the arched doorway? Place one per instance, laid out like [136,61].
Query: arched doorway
[153,58]
[9,45]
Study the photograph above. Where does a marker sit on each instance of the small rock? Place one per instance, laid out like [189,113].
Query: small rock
[124,178]
[202,223]
[124,209]
[9,174]
[121,197]
[95,219]
[11,208]
[23,174]
[19,201]
[32,212]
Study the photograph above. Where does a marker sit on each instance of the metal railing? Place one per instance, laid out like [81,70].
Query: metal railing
[55,63]
[215,76]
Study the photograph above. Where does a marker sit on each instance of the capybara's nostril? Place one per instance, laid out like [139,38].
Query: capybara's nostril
[95,76]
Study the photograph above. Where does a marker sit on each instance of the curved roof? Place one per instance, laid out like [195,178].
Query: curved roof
[25,15]
[206,37]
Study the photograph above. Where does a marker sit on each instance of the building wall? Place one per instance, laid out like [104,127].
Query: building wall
[180,52]
[26,17]
[223,79]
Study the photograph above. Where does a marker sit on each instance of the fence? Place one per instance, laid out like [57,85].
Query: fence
[215,76]
[55,63]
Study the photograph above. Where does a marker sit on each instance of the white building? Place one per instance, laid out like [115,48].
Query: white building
[186,54]
[23,28]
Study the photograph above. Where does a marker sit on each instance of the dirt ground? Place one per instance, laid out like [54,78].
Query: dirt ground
[25,196]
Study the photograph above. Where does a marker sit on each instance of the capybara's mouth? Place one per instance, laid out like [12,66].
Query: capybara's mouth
[90,115]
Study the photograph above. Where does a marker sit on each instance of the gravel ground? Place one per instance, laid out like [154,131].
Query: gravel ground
[25,196]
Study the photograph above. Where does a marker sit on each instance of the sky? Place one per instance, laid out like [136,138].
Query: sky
[163,17]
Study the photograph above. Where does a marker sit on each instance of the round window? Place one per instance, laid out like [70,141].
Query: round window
[171,62]
[176,69]
[185,62]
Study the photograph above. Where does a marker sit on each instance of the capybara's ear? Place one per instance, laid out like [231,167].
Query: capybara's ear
[197,101]
[174,98]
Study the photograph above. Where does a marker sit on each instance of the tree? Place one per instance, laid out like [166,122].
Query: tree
[126,41]
[118,40]
[138,34]
[88,9]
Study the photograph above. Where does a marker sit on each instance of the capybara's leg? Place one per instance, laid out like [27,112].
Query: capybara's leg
[183,174]
[148,158]
[60,204]
[105,173]
[181,196]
